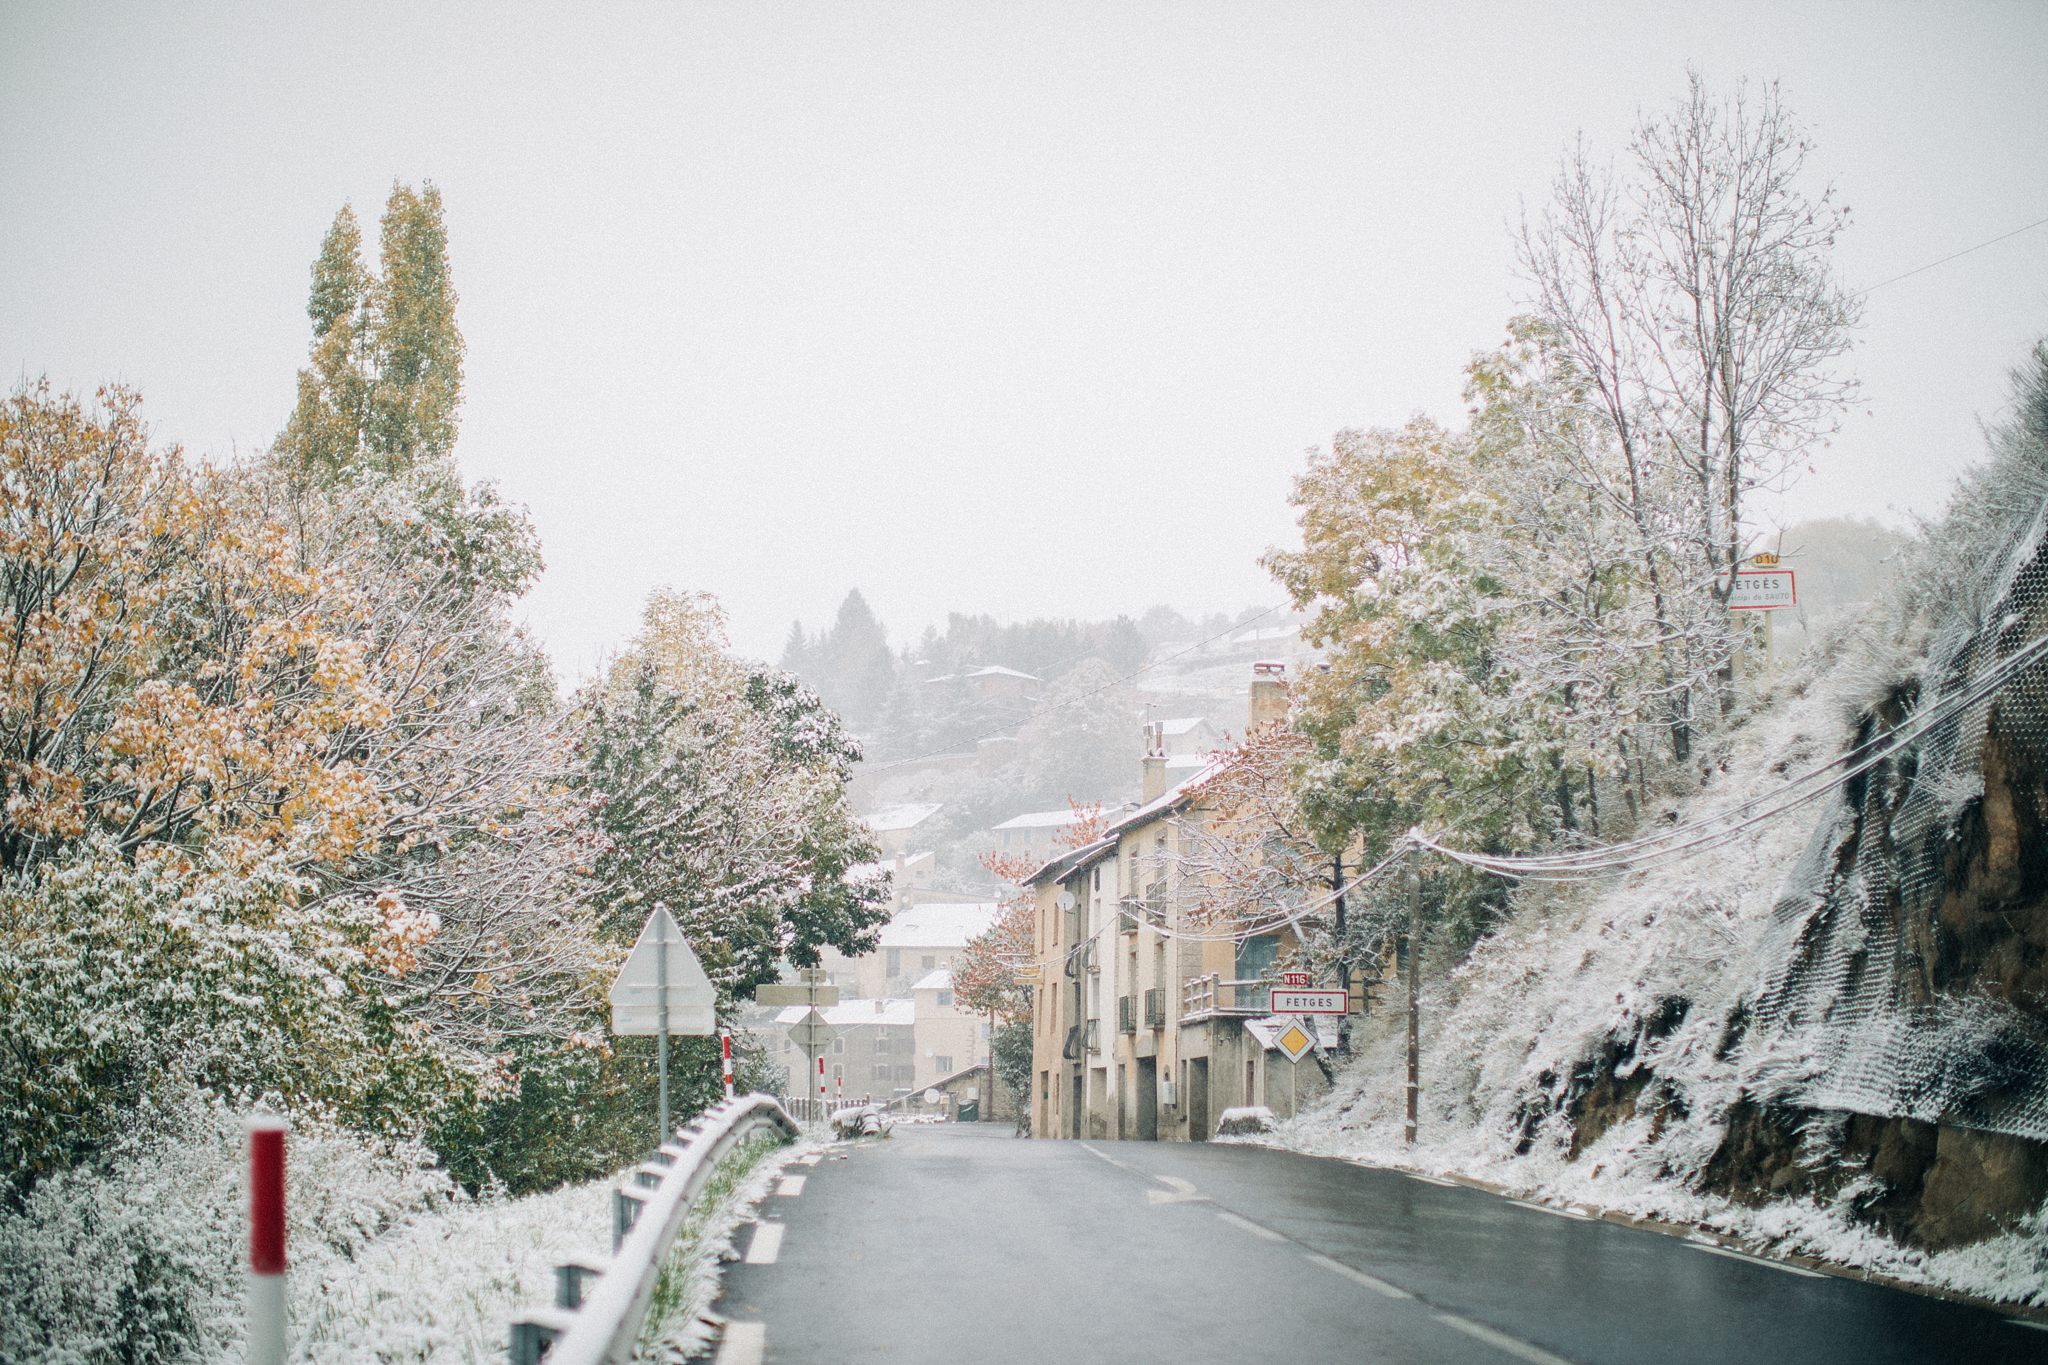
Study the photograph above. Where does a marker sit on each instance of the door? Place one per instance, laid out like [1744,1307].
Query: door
[1074,1115]
[1148,1099]
[1198,1099]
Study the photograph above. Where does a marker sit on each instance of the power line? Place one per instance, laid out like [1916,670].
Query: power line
[1953,256]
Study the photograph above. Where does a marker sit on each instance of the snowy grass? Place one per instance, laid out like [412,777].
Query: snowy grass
[1579,968]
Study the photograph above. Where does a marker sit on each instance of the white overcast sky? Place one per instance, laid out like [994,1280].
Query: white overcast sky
[1020,308]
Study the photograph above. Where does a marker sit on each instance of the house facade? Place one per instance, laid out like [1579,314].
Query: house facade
[1145,1024]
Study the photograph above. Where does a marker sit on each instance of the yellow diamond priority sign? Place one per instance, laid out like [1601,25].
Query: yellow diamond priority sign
[1295,1041]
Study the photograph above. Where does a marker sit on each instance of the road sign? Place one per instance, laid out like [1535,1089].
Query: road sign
[1319,1000]
[636,992]
[811,1031]
[797,995]
[1295,1041]
[1296,979]
[816,976]
[1763,590]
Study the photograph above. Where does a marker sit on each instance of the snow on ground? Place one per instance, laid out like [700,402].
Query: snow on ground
[1578,969]
[445,1286]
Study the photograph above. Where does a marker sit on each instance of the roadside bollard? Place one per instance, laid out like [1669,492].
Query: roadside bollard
[725,1048]
[266,1241]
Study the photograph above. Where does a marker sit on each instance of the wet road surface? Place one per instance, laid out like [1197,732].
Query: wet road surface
[963,1244]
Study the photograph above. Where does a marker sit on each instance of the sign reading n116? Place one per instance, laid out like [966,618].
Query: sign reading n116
[1317,1000]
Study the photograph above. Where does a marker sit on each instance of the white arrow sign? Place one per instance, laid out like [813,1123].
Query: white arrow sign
[637,995]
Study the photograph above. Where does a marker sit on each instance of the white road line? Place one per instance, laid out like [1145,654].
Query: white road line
[2029,1322]
[1105,1156]
[766,1244]
[744,1343]
[1553,1212]
[1372,1282]
[1249,1226]
[807,1159]
[1431,1179]
[1501,1341]
[1713,1250]
[791,1185]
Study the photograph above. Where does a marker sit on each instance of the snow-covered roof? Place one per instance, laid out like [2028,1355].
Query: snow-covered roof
[1255,637]
[855,1013]
[1040,819]
[933,925]
[998,671]
[1187,762]
[1180,725]
[911,861]
[940,980]
[889,819]
[1174,797]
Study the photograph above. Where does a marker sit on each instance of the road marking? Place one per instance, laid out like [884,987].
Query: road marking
[2029,1322]
[807,1159]
[1431,1179]
[1249,1226]
[1501,1341]
[1553,1212]
[792,1184]
[1183,1192]
[1372,1282]
[766,1244]
[1713,1250]
[1120,1165]
[744,1343]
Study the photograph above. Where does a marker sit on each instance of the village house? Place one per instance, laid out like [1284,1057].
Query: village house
[1145,1024]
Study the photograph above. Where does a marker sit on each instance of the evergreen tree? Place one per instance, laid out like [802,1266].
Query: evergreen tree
[324,435]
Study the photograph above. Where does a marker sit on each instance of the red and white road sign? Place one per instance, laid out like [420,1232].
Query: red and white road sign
[1313,1000]
[1763,590]
[1296,979]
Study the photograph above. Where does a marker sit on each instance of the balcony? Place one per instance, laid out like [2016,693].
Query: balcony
[1126,1014]
[1091,1036]
[1155,1009]
[1213,996]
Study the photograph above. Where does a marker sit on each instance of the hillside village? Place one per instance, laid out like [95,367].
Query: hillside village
[900,1035]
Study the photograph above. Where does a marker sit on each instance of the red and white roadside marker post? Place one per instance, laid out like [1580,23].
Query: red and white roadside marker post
[266,1241]
[821,1085]
[725,1050]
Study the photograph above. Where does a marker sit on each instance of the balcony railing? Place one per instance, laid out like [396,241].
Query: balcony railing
[1126,1014]
[1204,997]
[1091,1038]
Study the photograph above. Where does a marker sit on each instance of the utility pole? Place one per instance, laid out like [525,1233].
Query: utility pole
[1343,952]
[1414,990]
[661,1027]
[988,1100]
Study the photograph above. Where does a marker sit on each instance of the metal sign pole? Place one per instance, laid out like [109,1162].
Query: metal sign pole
[661,1018]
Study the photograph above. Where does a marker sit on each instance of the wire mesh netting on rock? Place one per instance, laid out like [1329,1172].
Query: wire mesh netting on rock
[1911,942]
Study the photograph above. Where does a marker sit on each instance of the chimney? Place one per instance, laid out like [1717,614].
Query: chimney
[1155,762]
[1269,703]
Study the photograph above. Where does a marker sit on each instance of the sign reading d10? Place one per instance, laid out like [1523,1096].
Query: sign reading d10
[1297,1000]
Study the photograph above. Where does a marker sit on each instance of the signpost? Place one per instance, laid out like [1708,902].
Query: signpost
[813,988]
[662,990]
[1295,1041]
[1763,590]
[1308,1000]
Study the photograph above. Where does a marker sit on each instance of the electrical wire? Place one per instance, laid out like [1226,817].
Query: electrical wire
[1712,831]
[1953,256]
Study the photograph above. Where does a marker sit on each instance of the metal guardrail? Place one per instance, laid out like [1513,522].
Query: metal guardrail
[601,1306]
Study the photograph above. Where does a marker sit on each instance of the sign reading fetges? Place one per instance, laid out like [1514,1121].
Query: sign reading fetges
[1763,590]
[1315,1000]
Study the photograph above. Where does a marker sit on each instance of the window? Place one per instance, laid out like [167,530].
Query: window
[930,962]
[945,1000]
[838,1046]
[944,1064]
[895,962]
[1255,957]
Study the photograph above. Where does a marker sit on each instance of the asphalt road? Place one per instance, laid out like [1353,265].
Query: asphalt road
[963,1244]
